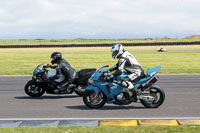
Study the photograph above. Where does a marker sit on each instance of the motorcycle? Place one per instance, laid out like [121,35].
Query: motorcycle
[45,80]
[100,91]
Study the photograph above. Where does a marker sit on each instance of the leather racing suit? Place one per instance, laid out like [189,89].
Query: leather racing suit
[70,74]
[128,62]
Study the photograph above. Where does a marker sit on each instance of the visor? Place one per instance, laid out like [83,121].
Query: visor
[114,54]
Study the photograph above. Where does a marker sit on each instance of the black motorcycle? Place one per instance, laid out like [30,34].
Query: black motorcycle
[45,79]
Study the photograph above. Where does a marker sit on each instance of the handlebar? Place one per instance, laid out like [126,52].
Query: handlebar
[48,66]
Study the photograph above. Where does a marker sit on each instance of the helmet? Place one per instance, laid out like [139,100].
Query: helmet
[117,50]
[55,57]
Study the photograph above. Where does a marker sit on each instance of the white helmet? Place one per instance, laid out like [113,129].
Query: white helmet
[117,50]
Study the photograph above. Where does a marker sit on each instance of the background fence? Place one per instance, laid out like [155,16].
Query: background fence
[100,45]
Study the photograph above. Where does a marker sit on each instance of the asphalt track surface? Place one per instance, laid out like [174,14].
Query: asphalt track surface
[182,100]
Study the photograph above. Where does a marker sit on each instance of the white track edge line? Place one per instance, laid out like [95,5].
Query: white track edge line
[60,119]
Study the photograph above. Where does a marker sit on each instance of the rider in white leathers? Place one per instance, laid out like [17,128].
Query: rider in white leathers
[126,61]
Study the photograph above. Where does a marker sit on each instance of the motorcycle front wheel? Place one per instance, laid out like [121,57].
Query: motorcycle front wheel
[159,97]
[33,90]
[94,100]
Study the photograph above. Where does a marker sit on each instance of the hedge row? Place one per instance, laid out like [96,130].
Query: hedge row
[100,45]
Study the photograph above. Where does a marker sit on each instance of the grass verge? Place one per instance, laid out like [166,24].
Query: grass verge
[105,129]
[23,61]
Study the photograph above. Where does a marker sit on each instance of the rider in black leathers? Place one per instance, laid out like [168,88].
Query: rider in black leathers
[65,68]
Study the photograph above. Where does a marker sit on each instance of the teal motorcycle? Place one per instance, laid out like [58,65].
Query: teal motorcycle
[101,91]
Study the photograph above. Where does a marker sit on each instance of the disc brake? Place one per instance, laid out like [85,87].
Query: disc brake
[94,98]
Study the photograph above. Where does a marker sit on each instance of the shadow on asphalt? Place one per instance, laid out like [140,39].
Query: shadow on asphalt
[45,97]
[106,107]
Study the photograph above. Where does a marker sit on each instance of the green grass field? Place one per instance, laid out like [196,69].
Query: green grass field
[23,61]
[86,41]
[104,129]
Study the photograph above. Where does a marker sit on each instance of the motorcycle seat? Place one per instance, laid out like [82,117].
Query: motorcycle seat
[84,72]
[84,75]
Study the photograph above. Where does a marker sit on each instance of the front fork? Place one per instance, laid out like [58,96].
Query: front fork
[96,95]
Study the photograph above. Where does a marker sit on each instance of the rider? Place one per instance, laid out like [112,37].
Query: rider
[65,68]
[127,62]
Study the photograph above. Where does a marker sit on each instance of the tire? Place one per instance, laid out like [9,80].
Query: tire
[158,102]
[33,90]
[90,94]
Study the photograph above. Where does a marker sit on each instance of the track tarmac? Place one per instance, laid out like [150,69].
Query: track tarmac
[182,101]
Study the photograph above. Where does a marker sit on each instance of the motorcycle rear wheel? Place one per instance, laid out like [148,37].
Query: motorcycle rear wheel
[79,93]
[93,100]
[159,96]
[33,90]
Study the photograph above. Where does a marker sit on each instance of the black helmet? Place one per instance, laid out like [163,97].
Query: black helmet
[55,57]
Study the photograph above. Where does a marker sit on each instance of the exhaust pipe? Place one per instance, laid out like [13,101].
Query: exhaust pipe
[149,83]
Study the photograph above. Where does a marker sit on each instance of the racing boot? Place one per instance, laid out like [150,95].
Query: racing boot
[128,85]
[130,89]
